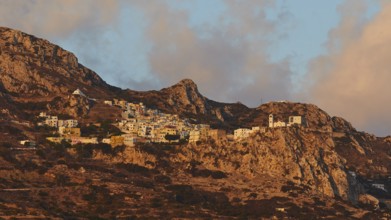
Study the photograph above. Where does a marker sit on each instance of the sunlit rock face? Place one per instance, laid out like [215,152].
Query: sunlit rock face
[33,66]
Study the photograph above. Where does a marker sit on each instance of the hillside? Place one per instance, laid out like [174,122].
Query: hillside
[322,168]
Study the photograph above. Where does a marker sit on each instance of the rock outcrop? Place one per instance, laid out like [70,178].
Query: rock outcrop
[185,100]
[299,155]
[185,94]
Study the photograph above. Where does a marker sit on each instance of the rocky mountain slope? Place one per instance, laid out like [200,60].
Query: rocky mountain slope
[323,169]
[31,66]
[34,69]
[184,99]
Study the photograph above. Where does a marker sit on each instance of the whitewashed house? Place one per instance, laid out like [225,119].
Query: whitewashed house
[108,102]
[242,133]
[271,121]
[71,123]
[279,124]
[295,120]
[51,121]
[195,135]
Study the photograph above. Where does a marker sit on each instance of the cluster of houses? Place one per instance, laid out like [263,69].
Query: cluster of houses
[53,121]
[67,129]
[243,133]
[138,124]
[292,120]
[141,124]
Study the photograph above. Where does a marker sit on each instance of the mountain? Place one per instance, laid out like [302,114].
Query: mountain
[323,169]
[185,100]
[34,67]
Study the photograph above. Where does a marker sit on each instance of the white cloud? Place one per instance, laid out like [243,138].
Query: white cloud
[56,18]
[353,79]
[229,61]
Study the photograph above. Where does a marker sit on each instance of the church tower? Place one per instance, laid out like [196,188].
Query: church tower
[271,121]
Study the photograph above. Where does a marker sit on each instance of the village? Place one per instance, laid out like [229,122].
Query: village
[140,124]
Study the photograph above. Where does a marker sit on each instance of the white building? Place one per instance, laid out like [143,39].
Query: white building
[71,123]
[52,121]
[275,124]
[379,186]
[106,140]
[195,135]
[271,121]
[279,124]
[260,130]
[108,102]
[298,120]
[27,143]
[242,133]
[293,120]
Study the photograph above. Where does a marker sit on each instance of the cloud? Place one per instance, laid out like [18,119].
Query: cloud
[57,18]
[226,57]
[90,28]
[353,80]
[228,61]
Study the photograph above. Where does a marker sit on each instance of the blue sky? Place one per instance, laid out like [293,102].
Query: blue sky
[247,51]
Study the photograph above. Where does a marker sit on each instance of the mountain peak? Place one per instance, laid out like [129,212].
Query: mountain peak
[42,68]
[4,29]
[187,83]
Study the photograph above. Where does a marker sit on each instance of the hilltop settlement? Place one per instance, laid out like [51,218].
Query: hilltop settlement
[140,124]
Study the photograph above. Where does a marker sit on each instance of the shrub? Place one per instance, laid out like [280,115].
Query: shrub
[105,148]
[218,175]
[62,179]
[162,179]
[118,149]
[207,173]
[134,168]
[144,184]
[43,193]
[84,150]
[156,203]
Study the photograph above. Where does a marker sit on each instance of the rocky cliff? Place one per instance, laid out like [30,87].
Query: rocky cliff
[30,66]
[304,157]
[299,155]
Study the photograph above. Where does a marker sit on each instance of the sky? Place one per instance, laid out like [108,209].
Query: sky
[330,53]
